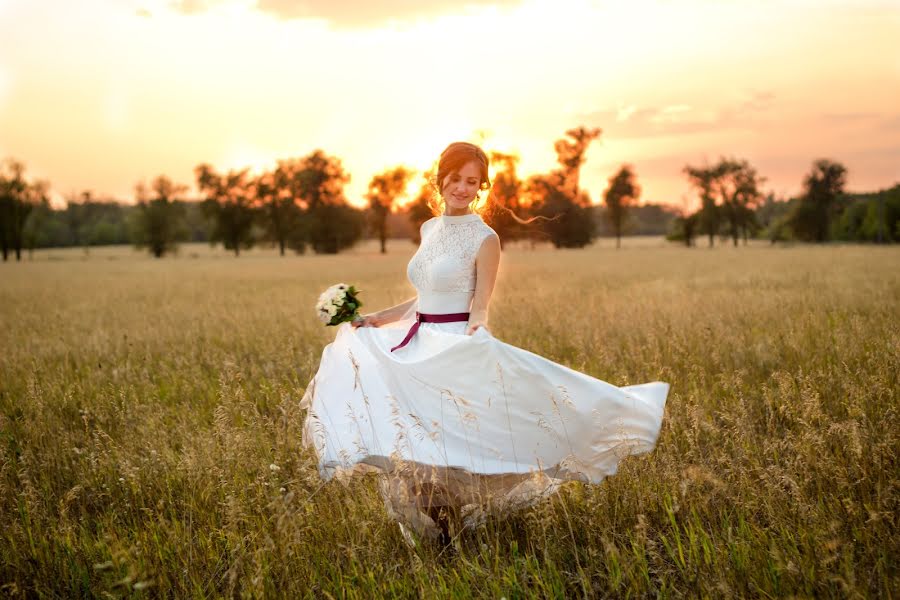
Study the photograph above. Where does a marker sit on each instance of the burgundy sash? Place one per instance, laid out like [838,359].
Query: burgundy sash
[424,318]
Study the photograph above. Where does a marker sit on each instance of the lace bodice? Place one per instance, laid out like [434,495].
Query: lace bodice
[443,268]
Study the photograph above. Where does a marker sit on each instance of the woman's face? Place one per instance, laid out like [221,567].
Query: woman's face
[459,188]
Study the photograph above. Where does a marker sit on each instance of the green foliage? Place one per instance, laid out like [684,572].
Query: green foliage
[349,310]
[159,218]
[821,202]
[18,197]
[729,192]
[683,228]
[869,217]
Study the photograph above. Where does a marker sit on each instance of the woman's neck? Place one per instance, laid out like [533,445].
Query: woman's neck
[459,212]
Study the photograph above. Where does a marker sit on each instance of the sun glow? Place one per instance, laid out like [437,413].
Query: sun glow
[150,89]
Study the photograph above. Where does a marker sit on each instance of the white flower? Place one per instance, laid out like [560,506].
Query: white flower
[331,301]
[273,467]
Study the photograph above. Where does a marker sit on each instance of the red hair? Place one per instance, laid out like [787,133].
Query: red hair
[455,157]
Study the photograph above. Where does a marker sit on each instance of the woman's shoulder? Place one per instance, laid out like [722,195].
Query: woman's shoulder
[487,230]
[427,224]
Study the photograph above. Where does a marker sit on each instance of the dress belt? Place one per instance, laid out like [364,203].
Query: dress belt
[425,318]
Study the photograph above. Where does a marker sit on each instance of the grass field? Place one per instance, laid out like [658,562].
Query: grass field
[150,428]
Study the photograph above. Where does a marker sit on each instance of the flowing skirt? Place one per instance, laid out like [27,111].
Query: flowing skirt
[469,422]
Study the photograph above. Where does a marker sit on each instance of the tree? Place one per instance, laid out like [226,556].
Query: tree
[736,184]
[703,179]
[17,199]
[420,209]
[556,197]
[36,225]
[159,217]
[278,208]
[328,223]
[821,201]
[229,203]
[384,190]
[569,224]
[771,217]
[506,198]
[570,154]
[871,217]
[623,190]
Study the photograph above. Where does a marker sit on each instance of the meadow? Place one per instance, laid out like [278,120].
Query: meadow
[150,427]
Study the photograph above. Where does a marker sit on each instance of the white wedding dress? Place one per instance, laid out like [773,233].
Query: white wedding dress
[465,421]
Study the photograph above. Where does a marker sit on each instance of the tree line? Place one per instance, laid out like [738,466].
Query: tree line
[300,205]
[733,205]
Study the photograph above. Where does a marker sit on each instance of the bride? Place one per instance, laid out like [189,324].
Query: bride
[459,424]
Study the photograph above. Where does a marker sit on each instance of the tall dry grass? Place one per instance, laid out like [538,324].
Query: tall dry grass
[150,429]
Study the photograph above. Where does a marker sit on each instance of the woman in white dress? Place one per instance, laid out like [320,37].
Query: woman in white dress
[458,423]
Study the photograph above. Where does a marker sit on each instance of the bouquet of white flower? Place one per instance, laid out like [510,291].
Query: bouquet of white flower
[337,304]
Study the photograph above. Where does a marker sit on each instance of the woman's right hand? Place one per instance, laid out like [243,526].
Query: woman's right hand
[370,320]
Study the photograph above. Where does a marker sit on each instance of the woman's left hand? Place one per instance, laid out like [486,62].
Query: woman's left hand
[473,325]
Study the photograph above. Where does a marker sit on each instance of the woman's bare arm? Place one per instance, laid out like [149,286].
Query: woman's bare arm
[385,316]
[487,263]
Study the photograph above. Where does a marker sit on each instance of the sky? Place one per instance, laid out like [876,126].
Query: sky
[102,94]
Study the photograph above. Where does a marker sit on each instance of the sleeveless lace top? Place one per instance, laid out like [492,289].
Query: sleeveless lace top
[443,268]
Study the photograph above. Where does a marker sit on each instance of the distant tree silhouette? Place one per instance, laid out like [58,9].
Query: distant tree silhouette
[623,190]
[229,202]
[708,217]
[74,217]
[317,182]
[736,185]
[556,196]
[278,209]
[506,191]
[771,216]
[570,154]
[569,224]
[821,201]
[684,228]
[290,181]
[158,222]
[420,209]
[869,217]
[18,197]
[729,191]
[384,191]
[36,224]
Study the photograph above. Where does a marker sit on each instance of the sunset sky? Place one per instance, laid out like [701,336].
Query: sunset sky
[100,94]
